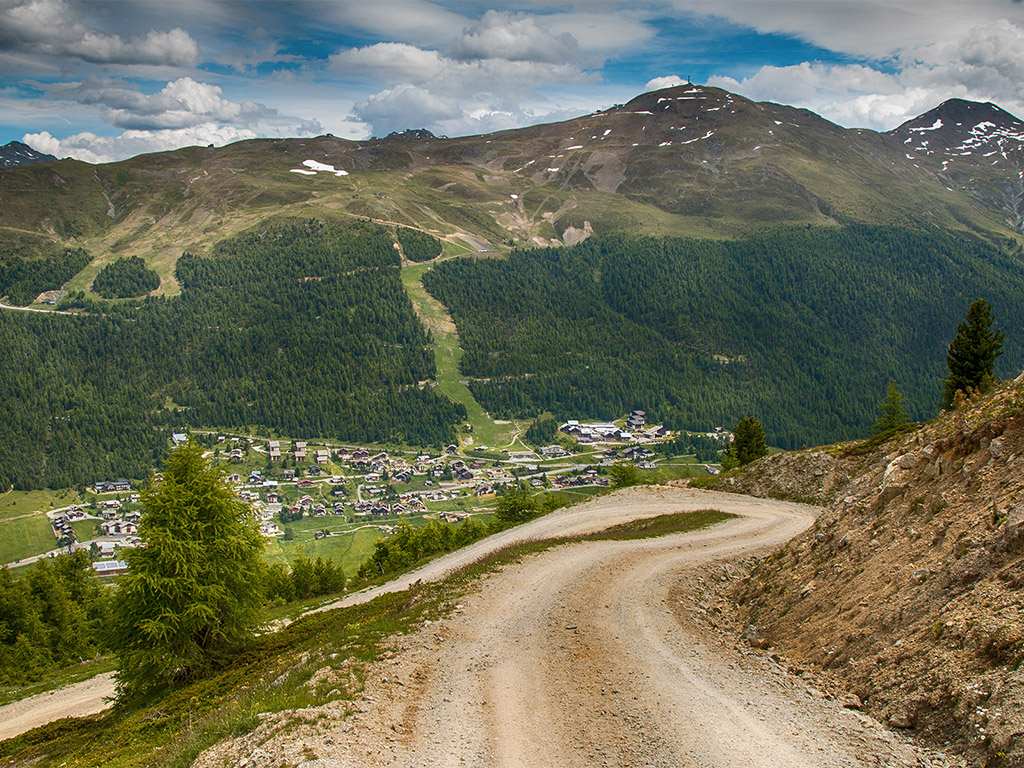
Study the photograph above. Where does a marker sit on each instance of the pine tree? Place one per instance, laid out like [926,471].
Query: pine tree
[192,594]
[748,444]
[891,415]
[972,353]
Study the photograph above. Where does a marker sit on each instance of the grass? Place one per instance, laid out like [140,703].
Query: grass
[23,537]
[662,525]
[14,503]
[447,355]
[348,549]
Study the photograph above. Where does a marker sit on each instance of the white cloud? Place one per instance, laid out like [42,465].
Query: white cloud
[514,37]
[666,81]
[182,113]
[48,28]
[878,29]
[393,109]
[92,148]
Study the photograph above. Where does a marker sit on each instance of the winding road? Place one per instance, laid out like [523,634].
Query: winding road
[586,655]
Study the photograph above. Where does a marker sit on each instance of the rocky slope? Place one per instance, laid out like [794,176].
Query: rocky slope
[908,589]
[15,153]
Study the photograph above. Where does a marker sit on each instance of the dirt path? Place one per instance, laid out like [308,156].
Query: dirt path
[585,655]
[84,698]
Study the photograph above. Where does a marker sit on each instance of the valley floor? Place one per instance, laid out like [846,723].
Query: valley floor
[585,655]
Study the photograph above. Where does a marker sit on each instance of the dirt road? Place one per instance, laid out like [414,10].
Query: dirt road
[585,655]
[85,698]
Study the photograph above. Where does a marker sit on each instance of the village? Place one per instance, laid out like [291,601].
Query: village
[301,492]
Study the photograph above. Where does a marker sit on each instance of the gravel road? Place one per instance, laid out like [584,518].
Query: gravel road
[585,655]
[85,698]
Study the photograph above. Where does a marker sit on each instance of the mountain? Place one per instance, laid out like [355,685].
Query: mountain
[716,257]
[688,160]
[907,590]
[15,153]
[978,148]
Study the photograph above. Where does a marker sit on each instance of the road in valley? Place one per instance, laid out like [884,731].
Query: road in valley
[586,655]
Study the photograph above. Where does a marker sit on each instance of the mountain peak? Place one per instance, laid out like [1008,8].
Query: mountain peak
[417,134]
[957,129]
[16,153]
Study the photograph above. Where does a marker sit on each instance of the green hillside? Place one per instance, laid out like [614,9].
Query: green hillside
[802,327]
[298,327]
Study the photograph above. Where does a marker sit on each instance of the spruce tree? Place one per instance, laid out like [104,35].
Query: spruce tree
[748,444]
[972,354]
[192,594]
[891,415]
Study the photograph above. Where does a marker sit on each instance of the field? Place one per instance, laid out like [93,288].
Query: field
[23,537]
[14,503]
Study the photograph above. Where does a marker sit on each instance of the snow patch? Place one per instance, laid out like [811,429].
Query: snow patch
[934,126]
[303,171]
[609,130]
[643,112]
[315,166]
[707,135]
[575,146]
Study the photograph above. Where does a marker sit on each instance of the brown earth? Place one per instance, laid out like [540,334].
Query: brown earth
[907,590]
[585,655]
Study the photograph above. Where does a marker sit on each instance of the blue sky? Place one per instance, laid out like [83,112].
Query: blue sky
[103,80]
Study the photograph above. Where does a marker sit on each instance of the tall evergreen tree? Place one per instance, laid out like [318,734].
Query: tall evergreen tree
[749,443]
[972,353]
[192,593]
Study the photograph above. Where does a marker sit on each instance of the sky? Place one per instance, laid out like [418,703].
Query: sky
[103,80]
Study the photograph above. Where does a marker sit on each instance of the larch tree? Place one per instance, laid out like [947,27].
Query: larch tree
[192,594]
[748,444]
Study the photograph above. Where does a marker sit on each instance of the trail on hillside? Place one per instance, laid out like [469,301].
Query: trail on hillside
[585,655]
[84,698]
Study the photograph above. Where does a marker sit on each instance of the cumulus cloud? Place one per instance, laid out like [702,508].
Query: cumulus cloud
[48,28]
[183,112]
[479,82]
[93,148]
[514,37]
[667,81]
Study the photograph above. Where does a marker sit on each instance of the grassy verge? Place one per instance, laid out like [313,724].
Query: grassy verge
[23,537]
[662,525]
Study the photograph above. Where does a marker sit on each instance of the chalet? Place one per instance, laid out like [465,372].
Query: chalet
[479,464]
[270,530]
[305,484]
[112,486]
[179,438]
[306,501]
[274,450]
[110,567]
[537,483]
[273,497]
[339,508]
[452,450]
[380,458]
[338,492]
[288,475]
[552,451]
[338,480]
[119,527]
[314,469]
[319,510]
[300,451]
[402,477]
[235,456]
[452,517]
[343,453]
[106,549]
[483,489]
[321,457]
[372,477]
[132,517]
[635,422]
[380,510]
[234,478]
[360,456]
